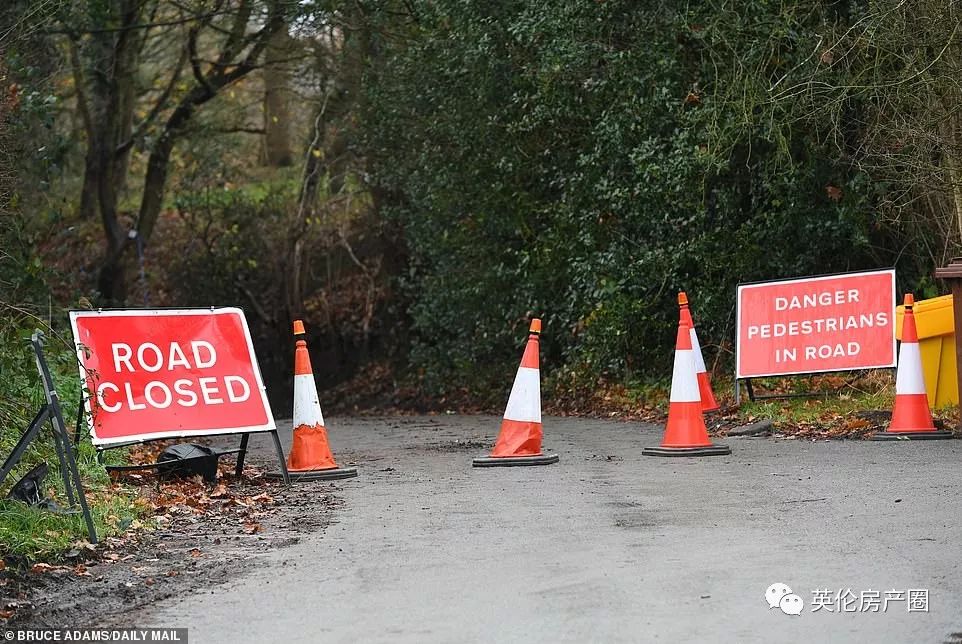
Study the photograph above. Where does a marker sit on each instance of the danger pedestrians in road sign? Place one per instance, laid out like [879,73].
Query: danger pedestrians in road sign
[165,373]
[828,323]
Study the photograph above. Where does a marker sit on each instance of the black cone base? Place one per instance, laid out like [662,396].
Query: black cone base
[912,436]
[513,461]
[711,450]
[318,475]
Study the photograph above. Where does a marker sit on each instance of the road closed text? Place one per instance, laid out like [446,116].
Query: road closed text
[830,323]
[156,373]
[160,394]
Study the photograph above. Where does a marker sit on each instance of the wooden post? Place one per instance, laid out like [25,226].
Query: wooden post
[953,275]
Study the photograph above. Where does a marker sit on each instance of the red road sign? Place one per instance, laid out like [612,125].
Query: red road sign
[169,373]
[829,323]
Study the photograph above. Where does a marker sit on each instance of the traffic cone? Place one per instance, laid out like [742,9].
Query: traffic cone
[519,442]
[310,458]
[708,400]
[685,433]
[911,418]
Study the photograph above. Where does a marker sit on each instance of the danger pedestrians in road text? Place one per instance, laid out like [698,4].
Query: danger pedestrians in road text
[830,323]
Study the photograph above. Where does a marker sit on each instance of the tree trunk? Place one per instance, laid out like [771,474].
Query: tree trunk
[277,77]
[112,62]
[88,194]
[155,181]
[112,277]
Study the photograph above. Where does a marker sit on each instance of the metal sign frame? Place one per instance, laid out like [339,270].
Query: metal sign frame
[51,411]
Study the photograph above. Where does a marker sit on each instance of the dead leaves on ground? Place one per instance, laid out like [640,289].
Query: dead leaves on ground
[78,570]
[231,501]
[234,503]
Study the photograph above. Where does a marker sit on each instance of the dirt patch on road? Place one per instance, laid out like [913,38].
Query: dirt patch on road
[198,536]
[455,446]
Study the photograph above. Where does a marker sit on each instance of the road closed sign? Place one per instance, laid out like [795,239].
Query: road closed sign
[809,325]
[169,373]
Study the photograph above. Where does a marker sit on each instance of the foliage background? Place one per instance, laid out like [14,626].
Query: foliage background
[454,167]
[586,161]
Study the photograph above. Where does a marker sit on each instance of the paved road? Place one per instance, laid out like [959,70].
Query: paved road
[606,546]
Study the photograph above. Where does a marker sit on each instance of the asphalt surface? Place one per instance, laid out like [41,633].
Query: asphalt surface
[605,546]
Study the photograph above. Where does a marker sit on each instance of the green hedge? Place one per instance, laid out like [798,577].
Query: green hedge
[584,161]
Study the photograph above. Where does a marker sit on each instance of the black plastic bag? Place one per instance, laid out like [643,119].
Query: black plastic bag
[185,460]
[29,490]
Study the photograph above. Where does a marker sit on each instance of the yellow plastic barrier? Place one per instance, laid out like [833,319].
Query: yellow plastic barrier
[936,326]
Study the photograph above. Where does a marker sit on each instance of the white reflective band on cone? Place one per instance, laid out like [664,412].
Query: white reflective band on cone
[909,378]
[696,348]
[684,382]
[524,404]
[307,407]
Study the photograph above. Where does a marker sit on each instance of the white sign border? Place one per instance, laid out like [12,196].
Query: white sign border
[177,433]
[816,278]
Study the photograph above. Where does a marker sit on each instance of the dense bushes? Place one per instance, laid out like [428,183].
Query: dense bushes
[585,161]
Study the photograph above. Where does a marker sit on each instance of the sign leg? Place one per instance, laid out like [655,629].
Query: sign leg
[957,313]
[88,519]
[241,456]
[62,438]
[80,418]
[280,457]
[63,449]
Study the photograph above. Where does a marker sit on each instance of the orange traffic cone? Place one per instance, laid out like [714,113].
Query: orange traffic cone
[708,400]
[519,442]
[911,418]
[685,433]
[310,458]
